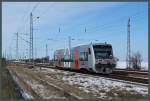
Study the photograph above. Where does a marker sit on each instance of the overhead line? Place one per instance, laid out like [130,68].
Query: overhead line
[121,19]
[23,39]
[27,18]
[112,22]
[45,12]
[35,6]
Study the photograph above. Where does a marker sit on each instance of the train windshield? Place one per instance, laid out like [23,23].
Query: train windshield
[102,51]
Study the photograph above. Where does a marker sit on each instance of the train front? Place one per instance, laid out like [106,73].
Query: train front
[104,59]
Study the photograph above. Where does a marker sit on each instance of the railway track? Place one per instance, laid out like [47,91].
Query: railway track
[130,78]
[124,71]
[133,77]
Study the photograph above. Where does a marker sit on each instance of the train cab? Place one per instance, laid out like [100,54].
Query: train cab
[103,57]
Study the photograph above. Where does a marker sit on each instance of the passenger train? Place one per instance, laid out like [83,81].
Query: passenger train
[96,58]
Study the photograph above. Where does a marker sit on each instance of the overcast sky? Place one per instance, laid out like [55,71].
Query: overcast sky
[105,22]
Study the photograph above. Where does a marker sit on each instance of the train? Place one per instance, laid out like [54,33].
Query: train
[93,57]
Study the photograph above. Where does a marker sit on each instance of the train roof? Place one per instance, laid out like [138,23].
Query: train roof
[101,44]
[87,45]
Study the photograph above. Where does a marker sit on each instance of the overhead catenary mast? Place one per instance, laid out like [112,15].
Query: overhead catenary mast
[31,38]
[128,57]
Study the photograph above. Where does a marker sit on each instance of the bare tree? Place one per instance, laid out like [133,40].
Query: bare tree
[136,60]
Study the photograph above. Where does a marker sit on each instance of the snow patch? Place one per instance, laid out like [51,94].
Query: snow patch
[97,85]
[101,85]
[26,95]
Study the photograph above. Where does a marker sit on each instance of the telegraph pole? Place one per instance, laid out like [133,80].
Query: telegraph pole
[128,57]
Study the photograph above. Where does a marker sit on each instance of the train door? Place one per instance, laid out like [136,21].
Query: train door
[83,57]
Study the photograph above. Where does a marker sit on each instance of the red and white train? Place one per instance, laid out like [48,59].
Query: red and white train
[96,57]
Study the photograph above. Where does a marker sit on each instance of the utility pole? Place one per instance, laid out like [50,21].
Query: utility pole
[31,38]
[128,57]
[17,46]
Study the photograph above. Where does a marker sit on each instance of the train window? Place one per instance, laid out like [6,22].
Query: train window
[83,56]
[89,51]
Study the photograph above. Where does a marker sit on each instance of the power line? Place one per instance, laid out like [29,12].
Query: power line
[35,6]
[45,12]
[27,18]
[118,20]
[23,18]
[113,22]
[24,39]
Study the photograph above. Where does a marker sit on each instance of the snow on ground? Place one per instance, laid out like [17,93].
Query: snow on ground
[102,86]
[122,65]
[26,95]
[97,85]
[42,90]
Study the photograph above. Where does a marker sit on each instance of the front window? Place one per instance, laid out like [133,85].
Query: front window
[102,51]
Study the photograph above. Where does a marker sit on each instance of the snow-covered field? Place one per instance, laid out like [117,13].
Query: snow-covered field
[103,86]
[99,86]
[122,65]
